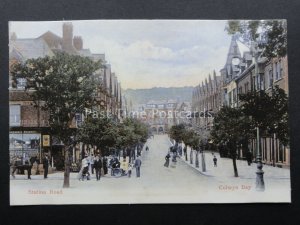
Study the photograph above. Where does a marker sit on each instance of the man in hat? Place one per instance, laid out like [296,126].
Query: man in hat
[46,165]
[137,165]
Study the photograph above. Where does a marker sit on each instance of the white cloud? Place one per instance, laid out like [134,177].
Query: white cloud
[148,53]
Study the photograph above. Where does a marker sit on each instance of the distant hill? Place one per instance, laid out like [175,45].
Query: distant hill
[142,96]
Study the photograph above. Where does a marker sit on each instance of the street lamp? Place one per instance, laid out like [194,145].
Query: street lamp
[260,185]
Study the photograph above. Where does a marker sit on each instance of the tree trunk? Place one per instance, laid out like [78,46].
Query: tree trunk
[234,166]
[67,168]
[197,159]
[83,151]
[191,156]
[203,161]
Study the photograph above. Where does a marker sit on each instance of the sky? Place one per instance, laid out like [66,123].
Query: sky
[148,53]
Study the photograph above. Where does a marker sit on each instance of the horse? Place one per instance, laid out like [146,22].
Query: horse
[17,164]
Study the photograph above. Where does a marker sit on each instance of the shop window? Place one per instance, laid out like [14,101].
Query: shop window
[15,115]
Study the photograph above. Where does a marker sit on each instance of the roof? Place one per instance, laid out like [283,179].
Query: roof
[231,52]
[14,54]
[85,52]
[31,48]
[242,47]
[53,40]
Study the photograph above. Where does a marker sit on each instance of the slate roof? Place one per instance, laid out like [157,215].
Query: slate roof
[30,48]
[53,40]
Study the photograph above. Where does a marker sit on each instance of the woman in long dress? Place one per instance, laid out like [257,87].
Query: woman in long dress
[84,168]
[167,158]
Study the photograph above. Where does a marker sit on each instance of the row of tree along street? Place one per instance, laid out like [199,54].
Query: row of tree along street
[65,85]
[259,114]
[235,128]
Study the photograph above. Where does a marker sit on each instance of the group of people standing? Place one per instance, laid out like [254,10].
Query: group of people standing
[173,150]
[90,163]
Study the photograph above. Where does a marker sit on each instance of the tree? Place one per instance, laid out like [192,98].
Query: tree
[271,35]
[177,132]
[192,139]
[188,140]
[101,132]
[64,86]
[230,124]
[132,133]
[268,112]
[195,142]
[139,129]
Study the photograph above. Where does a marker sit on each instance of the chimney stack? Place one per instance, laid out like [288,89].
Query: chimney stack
[67,36]
[78,43]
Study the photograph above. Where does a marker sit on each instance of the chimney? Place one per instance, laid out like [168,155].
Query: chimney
[67,36]
[78,43]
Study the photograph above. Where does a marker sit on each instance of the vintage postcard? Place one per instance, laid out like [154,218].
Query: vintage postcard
[148,111]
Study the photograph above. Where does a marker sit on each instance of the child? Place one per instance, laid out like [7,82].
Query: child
[129,170]
[215,161]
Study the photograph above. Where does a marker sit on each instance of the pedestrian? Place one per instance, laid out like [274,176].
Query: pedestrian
[129,169]
[180,150]
[28,166]
[124,166]
[84,168]
[167,158]
[45,166]
[98,166]
[249,158]
[215,161]
[92,159]
[137,165]
[174,153]
[112,164]
[147,148]
[104,164]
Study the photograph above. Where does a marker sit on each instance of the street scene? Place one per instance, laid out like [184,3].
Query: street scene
[114,112]
[157,184]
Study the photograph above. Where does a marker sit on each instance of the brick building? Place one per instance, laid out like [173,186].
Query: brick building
[207,99]
[29,130]
[240,78]
[160,115]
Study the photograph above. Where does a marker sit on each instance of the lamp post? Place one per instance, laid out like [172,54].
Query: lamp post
[260,185]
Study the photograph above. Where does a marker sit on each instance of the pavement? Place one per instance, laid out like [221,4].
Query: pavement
[225,167]
[179,183]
